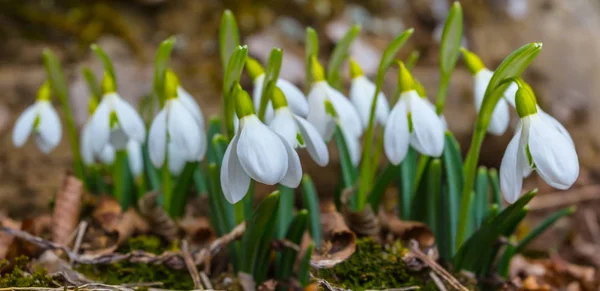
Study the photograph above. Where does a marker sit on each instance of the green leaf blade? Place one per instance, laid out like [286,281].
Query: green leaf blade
[229,37]
[339,54]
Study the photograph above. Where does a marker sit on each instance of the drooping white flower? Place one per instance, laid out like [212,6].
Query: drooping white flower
[296,131]
[135,157]
[296,99]
[362,91]
[177,132]
[413,122]
[256,152]
[537,145]
[320,97]
[41,119]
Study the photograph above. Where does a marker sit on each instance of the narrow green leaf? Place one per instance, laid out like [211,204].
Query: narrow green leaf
[482,194]
[229,37]
[504,262]
[151,172]
[161,63]
[312,49]
[497,195]
[233,73]
[304,269]
[406,189]
[271,76]
[310,201]
[214,128]
[511,66]
[388,56]
[349,172]
[286,210]
[434,211]
[181,190]
[454,183]
[92,83]
[106,62]
[339,54]
[122,179]
[451,39]
[543,226]
[199,179]
[383,181]
[294,234]
[219,143]
[412,59]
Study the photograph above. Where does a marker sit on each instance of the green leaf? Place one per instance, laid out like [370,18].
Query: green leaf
[485,237]
[434,188]
[286,210]
[312,49]
[56,77]
[199,179]
[219,143]
[383,181]
[390,52]
[543,226]
[482,194]
[232,77]
[229,37]
[408,168]
[106,62]
[256,241]
[122,179]
[214,128]
[310,201]
[454,183]
[451,39]
[349,173]
[92,83]
[286,268]
[339,54]
[270,81]
[152,174]
[511,66]
[504,262]
[412,59]
[497,195]
[304,268]
[161,63]
[182,189]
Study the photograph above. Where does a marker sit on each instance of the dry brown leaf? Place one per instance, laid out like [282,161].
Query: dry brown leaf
[160,222]
[363,223]
[108,213]
[339,242]
[408,230]
[66,210]
[6,241]
[195,223]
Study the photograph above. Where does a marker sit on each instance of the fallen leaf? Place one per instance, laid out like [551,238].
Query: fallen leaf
[339,242]
[160,222]
[66,210]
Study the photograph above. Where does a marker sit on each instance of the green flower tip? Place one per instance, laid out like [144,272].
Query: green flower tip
[355,69]
[243,104]
[109,84]
[456,5]
[316,70]
[254,68]
[525,101]
[45,92]
[171,84]
[278,99]
[405,79]
[473,62]
[420,89]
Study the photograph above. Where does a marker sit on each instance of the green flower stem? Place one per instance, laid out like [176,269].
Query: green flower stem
[270,80]
[122,179]
[167,188]
[440,100]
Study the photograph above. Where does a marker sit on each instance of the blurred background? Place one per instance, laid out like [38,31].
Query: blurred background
[565,76]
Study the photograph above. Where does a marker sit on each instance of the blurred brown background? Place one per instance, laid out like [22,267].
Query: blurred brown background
[565,75]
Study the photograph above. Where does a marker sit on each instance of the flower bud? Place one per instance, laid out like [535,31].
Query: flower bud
[243,104]
[473,62]
[316,69]
[355,69]
[254,68]
[278,99]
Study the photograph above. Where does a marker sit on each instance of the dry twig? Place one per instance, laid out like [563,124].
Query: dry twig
[189,263]
[414,249]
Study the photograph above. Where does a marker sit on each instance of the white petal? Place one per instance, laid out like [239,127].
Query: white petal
[428,131]
[107,155]
[234,180]
[157,139]
[183,130]
[316,147]
[87,153]
[100,125]
[130,120]
[349,118]
[510,94]
[134,155]
[24,125]
[49,127]
[353,145]
[361,95]
[551,120]
[293,175]
[511,175]
[296,100]
[383,109]
[317,115]
[257,95]
[396,134]
[42,144]
[203,147]
[261,152]
[482,79]
[283,124]
[175,159]
[500,118]
[553,154]
[190,104]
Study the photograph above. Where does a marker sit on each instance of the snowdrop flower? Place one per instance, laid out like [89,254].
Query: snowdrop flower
[115,121]
[256,152]
[135,157]
[482,76]
[412,121]
[537,145]
[361,95]
[42,119]
[296,131]
[296,99]
[175,133]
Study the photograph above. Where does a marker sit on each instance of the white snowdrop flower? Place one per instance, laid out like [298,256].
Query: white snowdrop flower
[256,152]
[296,131]
[115,121]
[296,99]
[412,121]
[135,157]
[482,76]
[361,95]
[537,145]
[175,134]
[323,118]
[191,105]
[41,119]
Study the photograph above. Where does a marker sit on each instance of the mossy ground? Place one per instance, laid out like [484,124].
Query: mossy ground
[373,266]
[15,275]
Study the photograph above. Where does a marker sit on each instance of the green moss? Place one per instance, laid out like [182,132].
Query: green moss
[373,266]
[148,243]
[125,272]
[18,277]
